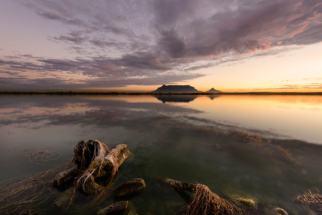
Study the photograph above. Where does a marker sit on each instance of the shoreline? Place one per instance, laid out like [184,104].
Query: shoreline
[154,93]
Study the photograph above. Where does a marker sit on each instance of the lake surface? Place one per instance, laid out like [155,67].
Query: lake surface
[265,147]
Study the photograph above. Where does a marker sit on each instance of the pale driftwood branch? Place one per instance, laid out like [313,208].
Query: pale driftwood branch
[103,167]
[93,159]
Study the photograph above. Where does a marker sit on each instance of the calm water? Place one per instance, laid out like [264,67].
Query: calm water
[193,139]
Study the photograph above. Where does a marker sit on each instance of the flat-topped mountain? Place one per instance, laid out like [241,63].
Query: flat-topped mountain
[212,90]
[176,89]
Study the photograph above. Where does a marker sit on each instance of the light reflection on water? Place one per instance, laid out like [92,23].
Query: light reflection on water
[186,138]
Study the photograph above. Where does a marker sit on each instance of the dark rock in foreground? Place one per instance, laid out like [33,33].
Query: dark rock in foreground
[280,211]
[130,187]
[115,207]
[176,89]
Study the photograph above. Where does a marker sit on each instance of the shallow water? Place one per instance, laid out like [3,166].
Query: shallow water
[204,139]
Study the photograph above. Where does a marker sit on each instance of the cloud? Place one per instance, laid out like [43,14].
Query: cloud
[9,73]
[72,37]
[146,39]
[56,17]
[315,86]
[62,84]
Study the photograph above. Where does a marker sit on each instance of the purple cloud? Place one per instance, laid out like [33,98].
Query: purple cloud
[150,38]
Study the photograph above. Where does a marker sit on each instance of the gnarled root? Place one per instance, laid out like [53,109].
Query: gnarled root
[179,185]
[106,166]
[93,159]
[203,201]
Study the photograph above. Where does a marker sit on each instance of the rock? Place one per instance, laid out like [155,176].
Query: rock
[280,211]
[130,187]
[115,207]
[241,197]
[246,202]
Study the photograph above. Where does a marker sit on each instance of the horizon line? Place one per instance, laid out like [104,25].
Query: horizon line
[69,92]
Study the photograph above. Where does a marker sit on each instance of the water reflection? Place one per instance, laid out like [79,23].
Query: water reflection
[212,97]
[229,143]
[179,98]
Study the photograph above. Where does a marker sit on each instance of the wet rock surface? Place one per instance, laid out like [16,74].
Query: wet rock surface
[246,202]
[114,208]
[280,211]
[134,186]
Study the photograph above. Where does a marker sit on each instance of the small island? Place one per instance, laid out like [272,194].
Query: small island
[176,89]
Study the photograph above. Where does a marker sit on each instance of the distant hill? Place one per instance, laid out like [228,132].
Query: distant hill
[212,90]
[176,89]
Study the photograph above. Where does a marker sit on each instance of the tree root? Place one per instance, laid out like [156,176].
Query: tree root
[93,159]
[203,201]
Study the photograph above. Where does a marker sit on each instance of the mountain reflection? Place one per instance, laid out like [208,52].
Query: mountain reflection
[212,97]
[176,98]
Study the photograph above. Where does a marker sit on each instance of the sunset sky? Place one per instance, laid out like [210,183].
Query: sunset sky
[126,45]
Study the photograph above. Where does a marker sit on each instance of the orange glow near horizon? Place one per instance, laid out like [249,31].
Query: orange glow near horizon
[298,70]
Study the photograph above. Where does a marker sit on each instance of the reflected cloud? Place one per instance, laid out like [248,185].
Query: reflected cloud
[146,114]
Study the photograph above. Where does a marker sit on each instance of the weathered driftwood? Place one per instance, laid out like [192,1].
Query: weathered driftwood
[93,159]
[102,167]
[130,187]
[115,207]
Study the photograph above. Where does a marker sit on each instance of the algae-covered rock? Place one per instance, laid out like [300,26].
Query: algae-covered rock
[246,202]
[280,211]
[130,187]
[240,197]
[115,207]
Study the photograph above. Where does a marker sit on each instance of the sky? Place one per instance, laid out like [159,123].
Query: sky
[126,45]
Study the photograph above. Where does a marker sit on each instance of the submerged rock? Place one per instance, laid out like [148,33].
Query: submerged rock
[130,187]
[115,207]
[280,211]
[246,202]
[241,197]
